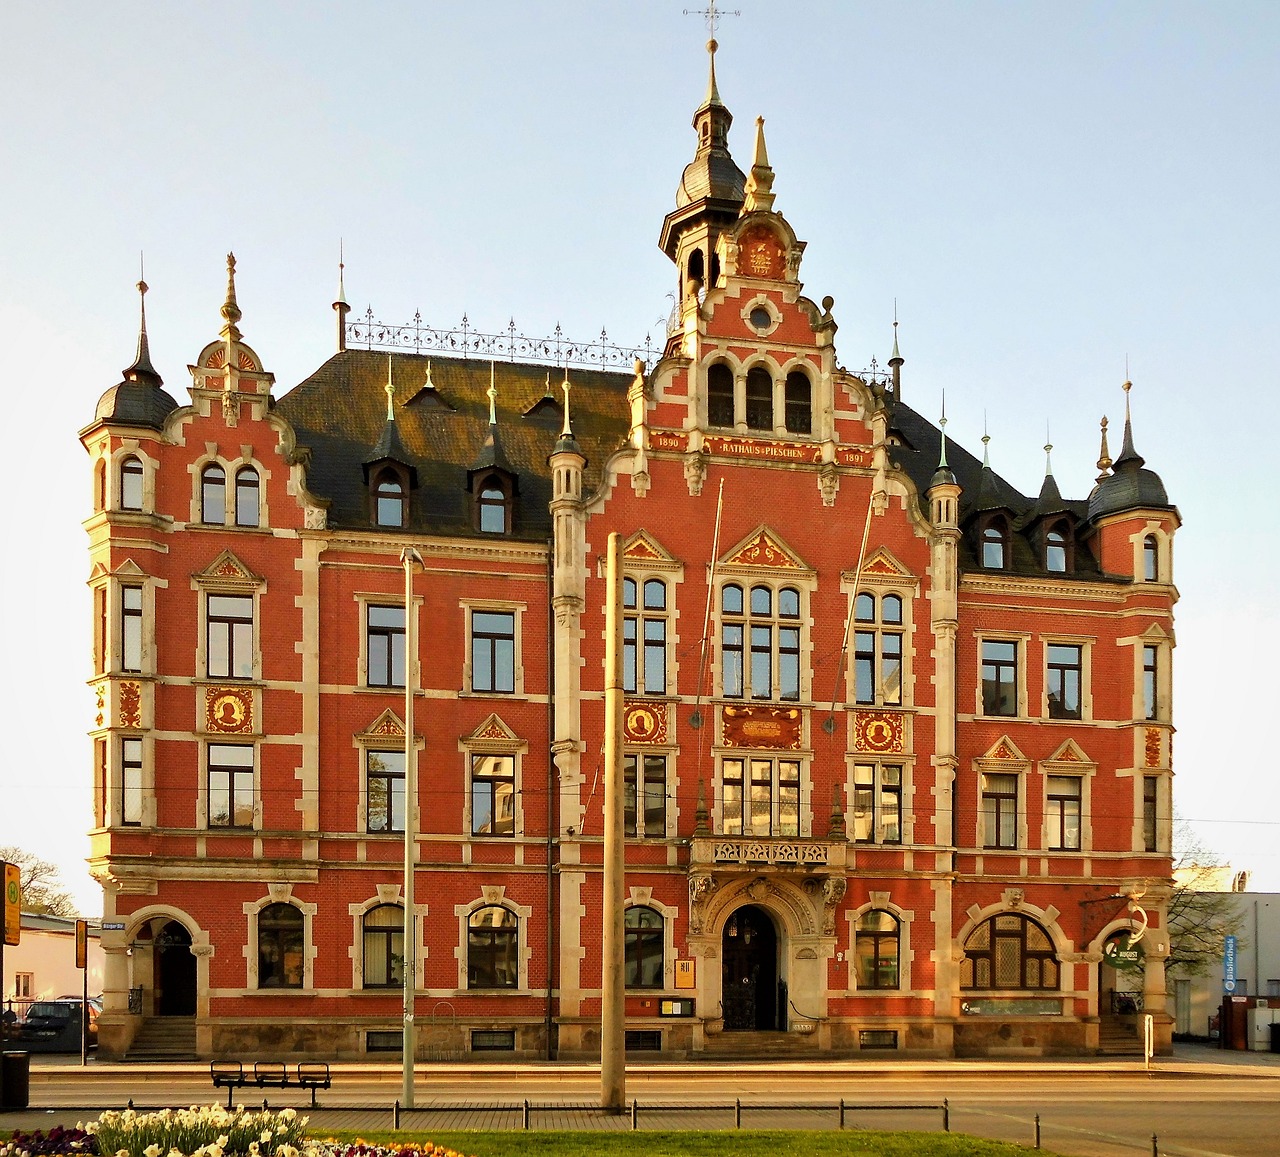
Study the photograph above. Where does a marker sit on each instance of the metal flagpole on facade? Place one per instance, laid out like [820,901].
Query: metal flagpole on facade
[613,1075]
[409,558]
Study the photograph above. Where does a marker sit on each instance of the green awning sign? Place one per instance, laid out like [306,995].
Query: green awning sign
[1123,953]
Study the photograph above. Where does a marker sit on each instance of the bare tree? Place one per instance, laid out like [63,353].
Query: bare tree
[1202,911]
[42,887]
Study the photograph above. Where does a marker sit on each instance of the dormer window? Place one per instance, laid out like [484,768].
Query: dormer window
[799,403]
[247,505]
[388,500]
[995,544]
[493,506]
[131,484]
[213,495]
[1057,549]
[719,395]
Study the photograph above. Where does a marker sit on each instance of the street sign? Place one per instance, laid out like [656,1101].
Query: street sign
[82,943]
[12,904]
[1229,964]
[113,926]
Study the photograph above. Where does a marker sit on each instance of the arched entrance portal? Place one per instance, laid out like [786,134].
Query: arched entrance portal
[754,1001]
[175,971]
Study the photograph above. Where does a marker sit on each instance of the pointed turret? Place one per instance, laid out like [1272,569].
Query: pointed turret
[142,371]
[896,359]
[139,400]
[390,447]
[1050,500]
[491,456]
[943,476]
[1129,486]
[340,304]
[759,192]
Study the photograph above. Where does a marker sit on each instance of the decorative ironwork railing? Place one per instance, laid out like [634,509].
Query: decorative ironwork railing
[464,341]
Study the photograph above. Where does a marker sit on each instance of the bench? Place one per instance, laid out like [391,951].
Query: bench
[233,1075]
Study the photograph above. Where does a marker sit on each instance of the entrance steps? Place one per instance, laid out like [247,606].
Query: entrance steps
[1119,1037]
[164,1038]
[761,1046]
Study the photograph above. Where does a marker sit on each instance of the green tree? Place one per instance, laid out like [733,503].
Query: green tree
[1202,908]
[42,888]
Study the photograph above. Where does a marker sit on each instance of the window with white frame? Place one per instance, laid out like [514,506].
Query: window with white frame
[644,795]
[760,642]
[384,788]
[230,785]
[999,810]
[877,650]
[644,636]
[877,803]
[1063,811]
[1150,558]
[229,636]
[493,795]
[131,479]
[131,781]
[131,628]
[760,797]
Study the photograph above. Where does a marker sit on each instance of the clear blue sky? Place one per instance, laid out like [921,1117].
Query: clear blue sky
[1045,188]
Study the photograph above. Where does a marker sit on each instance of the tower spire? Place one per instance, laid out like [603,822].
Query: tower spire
[1129,457]
[142,371]
[760,182]
[230,308]
[896,359]
[567,432]
[942,425]
[340,302]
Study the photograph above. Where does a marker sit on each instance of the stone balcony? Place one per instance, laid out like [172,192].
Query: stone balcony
[768,854]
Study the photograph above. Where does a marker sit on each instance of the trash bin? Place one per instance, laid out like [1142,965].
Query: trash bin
[15,1080]
[1275,1036]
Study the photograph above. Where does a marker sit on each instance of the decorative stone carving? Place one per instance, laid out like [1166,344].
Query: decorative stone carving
[828,483]
[130,704]
[567,608]
[777,728]
[1153,745]
[701,889]
[833,891]
[757,890]
[879,732]
[695,470]
[640,483]
[228,710]
[315,518]
[1014,897]
[769,852]
[645,721]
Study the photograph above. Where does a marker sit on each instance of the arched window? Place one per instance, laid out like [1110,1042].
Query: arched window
[642,950]
[493,948]
[280,947]
[1056,545]
[1150,559]
[388,500]
[799,403]
[995,544]
[759,399]
[384,946]
[131,484]
[1009,951]
[719,395]
[213,495]
[697,268]
[875,949]
[247,506]
[491,508]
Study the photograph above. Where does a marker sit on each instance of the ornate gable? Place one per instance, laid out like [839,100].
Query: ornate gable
[643,547]
[1004,750]
[1069,752]
[884,565]
[228,570]
[388,725]
[130,569]
[493,730]
[763,548]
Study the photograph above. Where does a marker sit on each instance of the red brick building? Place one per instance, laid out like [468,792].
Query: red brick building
[897,735]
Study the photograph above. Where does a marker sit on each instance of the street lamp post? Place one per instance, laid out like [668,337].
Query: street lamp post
[409,558]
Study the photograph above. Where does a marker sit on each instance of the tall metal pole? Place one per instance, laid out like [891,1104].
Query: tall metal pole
[613,1069]
[409,558]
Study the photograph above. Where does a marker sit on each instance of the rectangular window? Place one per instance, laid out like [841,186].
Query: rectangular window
[1000,811]
[1150,793]
[131,781]
[1063,678]
[999,677]
[731,658]
[877,1038]
[131,628]
[493,652]
[24,985]
[383,1042]
[877,804]
[761,662]
[229,654]
[99,630]
[230,785]
[100,783]
[643,1040]
[760,797]
[1063,806]
[644,788]
[493,1040]
[1150,681]
[493,795]
[384,786]
[384,643]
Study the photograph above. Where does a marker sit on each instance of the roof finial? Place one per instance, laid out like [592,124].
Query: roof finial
[1129,458]
[142,370]
[391,393]
[340,303]
[342,291]
[567,432]
[942,425]
[230,309]
[492,391]
[1048,450]
[760,181]
[428,384]
[986,458]
[712,14]
[1104,455]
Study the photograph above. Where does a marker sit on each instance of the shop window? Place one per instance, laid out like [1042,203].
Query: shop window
[384,788]
[384,946]
[1009,951]
[643,948]
[493,944]
[760,797]
[280,947]
[875,949]
[213,495]
[877,803]
[248,505]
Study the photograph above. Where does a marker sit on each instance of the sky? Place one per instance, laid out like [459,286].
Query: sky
[1048,192]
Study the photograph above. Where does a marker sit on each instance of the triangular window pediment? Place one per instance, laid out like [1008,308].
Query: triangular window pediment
[883,564]
[130,569]
[1004,750]
[1070,752]
[388,725]
[642,547]
[764,548]
[493,730]
[227,569]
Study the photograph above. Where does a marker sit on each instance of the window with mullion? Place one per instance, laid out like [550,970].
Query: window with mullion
[1009,951]
[877,804]
[493,795]
[230,793]
[384,641]
[131,781]
[1150,681]
[493,943]
[493,652]
[644,796]
[384,946]
[1063,805]
[1065,667]
[131,628]
[999,677]
[876,950]
[384,785]
[760,797]
[877,651]
[644,671]
[764,641]
[229,651]
[999,811]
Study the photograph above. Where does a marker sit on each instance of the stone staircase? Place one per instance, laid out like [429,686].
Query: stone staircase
[164,1038]
[761,1045]
[1119,1037]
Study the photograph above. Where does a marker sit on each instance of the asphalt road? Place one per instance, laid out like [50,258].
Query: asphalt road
[1201,1108]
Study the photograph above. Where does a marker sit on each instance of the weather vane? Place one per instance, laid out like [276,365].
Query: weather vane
[711,14]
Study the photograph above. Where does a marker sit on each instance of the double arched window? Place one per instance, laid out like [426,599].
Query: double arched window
[493,948]
[760,642]
[1009,951]
[384,946]
[280,947]
[875,949]
[643,948]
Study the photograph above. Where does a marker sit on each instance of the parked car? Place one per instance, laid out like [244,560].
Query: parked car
[53,1026]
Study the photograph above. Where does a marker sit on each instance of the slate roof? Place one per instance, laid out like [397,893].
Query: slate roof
[339,413]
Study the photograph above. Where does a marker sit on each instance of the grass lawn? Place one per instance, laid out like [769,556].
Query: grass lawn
[752,1142]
